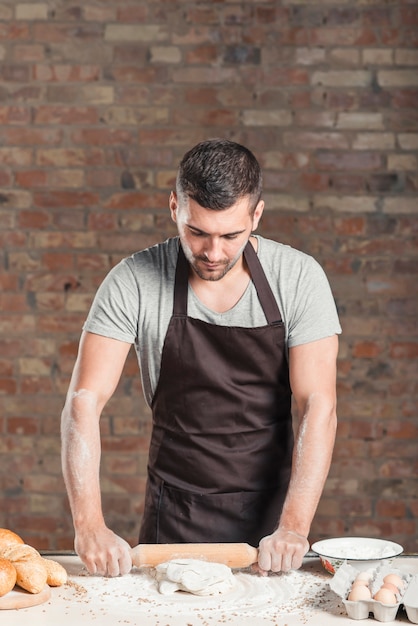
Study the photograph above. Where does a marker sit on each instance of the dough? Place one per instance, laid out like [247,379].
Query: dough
[201,578]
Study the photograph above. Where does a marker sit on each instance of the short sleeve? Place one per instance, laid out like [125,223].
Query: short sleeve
[114,311]
[312,313]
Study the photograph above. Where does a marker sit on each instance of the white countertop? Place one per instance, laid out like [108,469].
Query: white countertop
[299,597]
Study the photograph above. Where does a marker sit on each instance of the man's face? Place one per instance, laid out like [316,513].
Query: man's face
[213,240]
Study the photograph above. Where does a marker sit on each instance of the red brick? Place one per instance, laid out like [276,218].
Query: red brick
[6,368]
[405,98]
[35,385]
[57,260]
[345,183]
[103,221]
[8,282]
[314,182]
[14,31]
[404,430]
[348,160]
[336,100]
[343,37]
[66,73]
[103,178]
[13,239]
[404,350]
[131,14]
[105,136]
[356,507]
[31,178]
[397,468]
[132,94]
[51,301]
[69,348]
[8,386]
[13,302]
[33,136]
[409,15]
[65,33]
[18,73]
[22,426]
[203,96]
[93,261]
[350,225]
[366,349]
[29,52]
[294,76]
[137,200]
[5,179]
[135,74]
[33,219]
[15,115]
[64,323]
[59,198]
[384,16]
[69,157]
[65,115]
[316,140]
[15,156]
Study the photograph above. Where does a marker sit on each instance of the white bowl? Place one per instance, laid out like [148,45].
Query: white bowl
[363,552]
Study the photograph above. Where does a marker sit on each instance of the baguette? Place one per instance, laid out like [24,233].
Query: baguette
[31,573]
[57,574]
[7,576]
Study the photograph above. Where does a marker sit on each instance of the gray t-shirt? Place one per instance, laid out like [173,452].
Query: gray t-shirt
[135,301]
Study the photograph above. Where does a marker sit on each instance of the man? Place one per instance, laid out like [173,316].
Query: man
[227,326]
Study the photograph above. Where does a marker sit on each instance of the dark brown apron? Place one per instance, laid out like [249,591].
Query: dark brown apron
[221,446]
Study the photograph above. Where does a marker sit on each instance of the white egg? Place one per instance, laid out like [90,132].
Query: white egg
[360,592]
[385,596]
[367,575]
[393,588]
[394,579]
[359,583]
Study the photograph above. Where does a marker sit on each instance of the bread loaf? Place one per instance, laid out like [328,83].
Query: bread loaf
[8,537]
[57,574]
[7,576]
[31,573]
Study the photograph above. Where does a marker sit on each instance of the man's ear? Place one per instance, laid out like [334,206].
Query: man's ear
[258,212]
[173,204]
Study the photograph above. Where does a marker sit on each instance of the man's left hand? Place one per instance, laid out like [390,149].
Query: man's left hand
[281,551]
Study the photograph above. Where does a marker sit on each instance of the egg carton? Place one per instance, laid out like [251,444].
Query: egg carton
[361,609]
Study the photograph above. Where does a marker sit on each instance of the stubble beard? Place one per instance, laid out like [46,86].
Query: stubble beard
[213,276]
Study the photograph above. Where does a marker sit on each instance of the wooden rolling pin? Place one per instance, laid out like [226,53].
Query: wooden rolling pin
[235,555]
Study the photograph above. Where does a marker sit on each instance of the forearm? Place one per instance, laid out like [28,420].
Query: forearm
[312,455]
[81,457]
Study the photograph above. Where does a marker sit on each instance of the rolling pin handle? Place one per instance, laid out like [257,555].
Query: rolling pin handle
[235,555]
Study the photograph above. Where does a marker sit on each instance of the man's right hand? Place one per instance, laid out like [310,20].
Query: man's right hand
[103,552]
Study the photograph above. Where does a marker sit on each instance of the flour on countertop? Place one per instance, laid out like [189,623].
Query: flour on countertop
[293,598]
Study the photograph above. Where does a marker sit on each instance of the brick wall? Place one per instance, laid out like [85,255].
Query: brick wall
[98,101]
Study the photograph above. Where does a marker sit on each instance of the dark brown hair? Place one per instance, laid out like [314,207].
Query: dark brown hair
[216,173]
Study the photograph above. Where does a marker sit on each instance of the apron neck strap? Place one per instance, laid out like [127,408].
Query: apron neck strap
[181,285]
[264,292]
